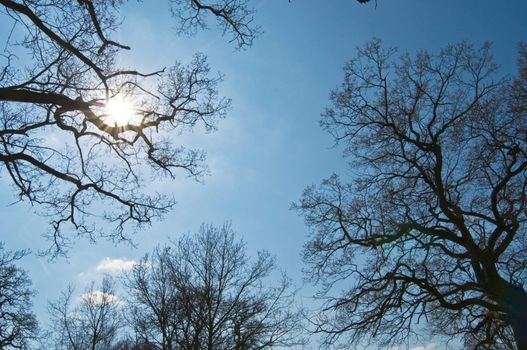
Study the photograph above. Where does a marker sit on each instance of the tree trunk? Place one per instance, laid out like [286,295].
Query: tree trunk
[516,301]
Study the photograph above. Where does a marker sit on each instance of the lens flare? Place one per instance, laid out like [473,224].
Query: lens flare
[119,111]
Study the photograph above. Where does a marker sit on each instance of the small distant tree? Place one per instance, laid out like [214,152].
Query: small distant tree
[91,322]
[204,292]
[432,227]
[18,325]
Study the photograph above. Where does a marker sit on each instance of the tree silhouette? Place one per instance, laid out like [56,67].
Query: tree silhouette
[78,130]
[203,292]
[92,323]
[18,325]
[431,228]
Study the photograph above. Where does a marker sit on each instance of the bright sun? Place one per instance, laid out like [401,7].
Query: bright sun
[119,111]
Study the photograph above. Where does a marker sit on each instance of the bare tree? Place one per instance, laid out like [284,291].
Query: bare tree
[203,292]
[234,17]
[431,228]
[18,325]
[76,128]
[91,322]
[153,300]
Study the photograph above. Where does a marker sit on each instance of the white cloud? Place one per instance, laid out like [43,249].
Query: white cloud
[108,265]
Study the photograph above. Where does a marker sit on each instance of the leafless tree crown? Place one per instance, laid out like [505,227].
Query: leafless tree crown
[18,325]
[203,292]
[431,228]
[92,321]
[58,147]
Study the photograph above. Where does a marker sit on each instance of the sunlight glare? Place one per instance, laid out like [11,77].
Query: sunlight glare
[119,111]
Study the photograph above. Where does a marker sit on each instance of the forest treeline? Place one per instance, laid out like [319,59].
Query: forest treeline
[202,291]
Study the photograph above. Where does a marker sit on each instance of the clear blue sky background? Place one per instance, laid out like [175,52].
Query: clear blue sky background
[270,146]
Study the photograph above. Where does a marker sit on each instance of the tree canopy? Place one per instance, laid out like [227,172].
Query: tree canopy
[18,324]
[78,129]
[431,228]
[92,322]
[204,292]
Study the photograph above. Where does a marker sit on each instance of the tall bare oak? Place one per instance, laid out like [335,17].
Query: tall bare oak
[430,229]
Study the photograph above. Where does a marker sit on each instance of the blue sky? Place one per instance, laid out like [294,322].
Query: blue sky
[269,148]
